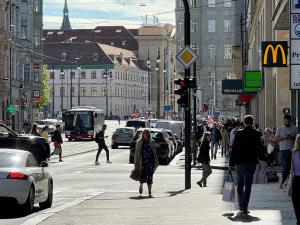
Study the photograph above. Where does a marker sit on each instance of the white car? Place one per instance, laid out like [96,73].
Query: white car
[23,181]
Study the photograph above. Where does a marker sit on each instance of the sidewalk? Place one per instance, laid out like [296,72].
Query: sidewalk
[172,205]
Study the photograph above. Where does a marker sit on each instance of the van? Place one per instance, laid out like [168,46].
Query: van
[176,127]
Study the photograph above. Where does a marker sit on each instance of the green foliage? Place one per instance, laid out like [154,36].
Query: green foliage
[46,89]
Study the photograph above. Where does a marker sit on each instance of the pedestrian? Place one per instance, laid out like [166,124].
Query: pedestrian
[34,130]
[236,127]
[285,137]
[145,161]
[204,159]
[269,140]
[296,180]
[215,139]
[119,120]
[57,141]
[44,133]
[224,141]
[100,139]
[244,156]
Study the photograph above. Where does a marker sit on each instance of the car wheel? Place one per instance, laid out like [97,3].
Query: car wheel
[48,203]
[28,207]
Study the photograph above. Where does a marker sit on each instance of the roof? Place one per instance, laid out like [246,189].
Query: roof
[134,32]
[166,30]
[118,36]
[88,54]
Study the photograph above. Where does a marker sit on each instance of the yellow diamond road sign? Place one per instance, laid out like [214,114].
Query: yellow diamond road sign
[186,56]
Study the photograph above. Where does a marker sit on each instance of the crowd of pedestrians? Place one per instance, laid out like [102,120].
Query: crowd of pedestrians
[251,151]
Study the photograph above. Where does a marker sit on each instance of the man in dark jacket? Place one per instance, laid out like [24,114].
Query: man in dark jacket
[245,153]
[101,144]
[57,139]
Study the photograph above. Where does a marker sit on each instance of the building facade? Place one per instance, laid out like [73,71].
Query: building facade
[157,46]
[4,59]
[212,38]
[103,76]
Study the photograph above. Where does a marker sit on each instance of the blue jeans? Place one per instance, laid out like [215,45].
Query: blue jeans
[285,158]
[245,173]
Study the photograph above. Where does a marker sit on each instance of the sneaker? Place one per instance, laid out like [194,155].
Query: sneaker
[108,162]
[97,163]
[60,160]
[199,183]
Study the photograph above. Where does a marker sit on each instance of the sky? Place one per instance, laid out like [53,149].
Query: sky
[91,13]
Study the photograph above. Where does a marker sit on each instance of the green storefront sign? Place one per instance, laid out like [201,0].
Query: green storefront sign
[252,81]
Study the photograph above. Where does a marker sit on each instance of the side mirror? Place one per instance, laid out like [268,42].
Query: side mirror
[44,164]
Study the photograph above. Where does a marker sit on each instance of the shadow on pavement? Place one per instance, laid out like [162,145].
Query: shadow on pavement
[174,193]
[140,197]
[240,217]
[13,212]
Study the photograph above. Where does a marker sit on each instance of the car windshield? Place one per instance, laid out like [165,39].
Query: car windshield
[8,159]
[136,123]
[124,130]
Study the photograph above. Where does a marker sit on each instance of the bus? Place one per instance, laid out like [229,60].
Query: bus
[83,122]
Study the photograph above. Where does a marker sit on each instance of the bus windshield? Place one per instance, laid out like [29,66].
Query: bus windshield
[78,120]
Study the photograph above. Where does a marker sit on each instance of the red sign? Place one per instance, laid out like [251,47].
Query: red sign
[245,98]
[37,99]
[36,66]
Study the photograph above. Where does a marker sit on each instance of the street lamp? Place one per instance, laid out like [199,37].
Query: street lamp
[53,92]
[62,73]
[79,74]
[158,60]
[149,83]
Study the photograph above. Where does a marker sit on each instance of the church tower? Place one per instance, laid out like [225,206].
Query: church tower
[66,22]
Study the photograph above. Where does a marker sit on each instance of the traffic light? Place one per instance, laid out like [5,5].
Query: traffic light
[182,91]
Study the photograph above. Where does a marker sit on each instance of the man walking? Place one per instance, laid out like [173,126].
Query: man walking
[101,145]
[57,140]
[215,140]
[245,152]
[285,137]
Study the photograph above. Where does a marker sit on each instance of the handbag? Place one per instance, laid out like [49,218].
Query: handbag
[270,149]
[229,189]
[134,175]
[57,151]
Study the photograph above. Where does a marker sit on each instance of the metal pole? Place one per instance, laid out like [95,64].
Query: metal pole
[187,110]
[79,74]
[62,89]
[71,88]
[195,114]
[149,93]
[53,92]
[158,92]
[106,92]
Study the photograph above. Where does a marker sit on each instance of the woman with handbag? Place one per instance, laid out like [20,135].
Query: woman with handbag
[145,161]
[204,159]
[296,180]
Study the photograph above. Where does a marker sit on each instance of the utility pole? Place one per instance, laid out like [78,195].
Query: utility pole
[195,113]
[71,89]
[149,84]
[53,92]
[187,110]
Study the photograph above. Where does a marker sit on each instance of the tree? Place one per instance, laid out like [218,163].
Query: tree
[46,89]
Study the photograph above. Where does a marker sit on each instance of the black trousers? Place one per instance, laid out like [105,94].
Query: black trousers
[100,148]
[296,197]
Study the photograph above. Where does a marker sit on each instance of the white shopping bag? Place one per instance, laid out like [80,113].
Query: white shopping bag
[229,190]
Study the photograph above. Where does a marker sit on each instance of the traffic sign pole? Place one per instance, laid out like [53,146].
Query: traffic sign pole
[187,109]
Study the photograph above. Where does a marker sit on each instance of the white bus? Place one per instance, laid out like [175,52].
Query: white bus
[83,122]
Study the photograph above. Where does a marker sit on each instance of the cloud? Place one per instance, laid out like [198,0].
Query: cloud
[88,13]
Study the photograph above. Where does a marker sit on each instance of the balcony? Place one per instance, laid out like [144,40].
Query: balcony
[280,16]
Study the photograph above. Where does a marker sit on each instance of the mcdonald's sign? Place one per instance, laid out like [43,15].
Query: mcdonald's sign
[274,53]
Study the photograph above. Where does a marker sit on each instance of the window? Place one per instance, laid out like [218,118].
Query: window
[180,26]
[212,51]
[93,75]
[23,29]
[83,75]
[72,74]
[227,51]
[227,26]
[211,3]
[194,26]
[82,91]
[180,3]
[36,6]
[211,26]
[62,75]
[228,75]
[194,47]
[193,3]
[93,91]
[227,3]
[51,75]
[62,91]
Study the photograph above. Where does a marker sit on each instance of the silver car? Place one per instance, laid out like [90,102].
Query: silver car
[23,181]
[122,137]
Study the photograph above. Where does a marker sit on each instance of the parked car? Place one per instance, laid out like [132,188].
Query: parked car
[177,127]
[164,147]
[137,123]
[152,123]
[122,137]
[23,181]
[38,146]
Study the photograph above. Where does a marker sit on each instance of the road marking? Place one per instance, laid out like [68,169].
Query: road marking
[78,172]
[50,212]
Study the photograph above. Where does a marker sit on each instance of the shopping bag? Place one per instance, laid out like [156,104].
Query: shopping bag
[57,151]
[134,175]
[229,189]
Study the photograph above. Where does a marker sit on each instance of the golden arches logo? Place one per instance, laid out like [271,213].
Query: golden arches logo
[274,54]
